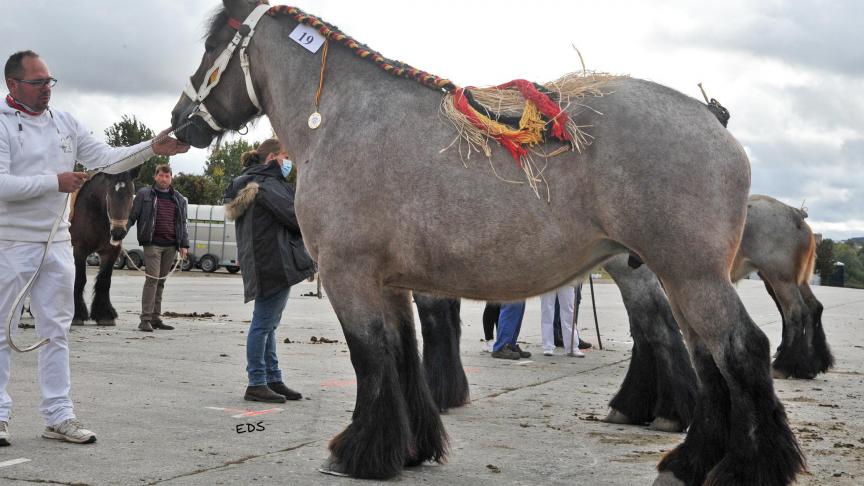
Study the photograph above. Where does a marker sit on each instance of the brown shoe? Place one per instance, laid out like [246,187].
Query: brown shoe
[262,393]
[162,325]
[145,326]
[280,388]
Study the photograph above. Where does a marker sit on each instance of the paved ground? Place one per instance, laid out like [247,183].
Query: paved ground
[167,406]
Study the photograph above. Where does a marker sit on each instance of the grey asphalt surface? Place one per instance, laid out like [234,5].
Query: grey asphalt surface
[166,406]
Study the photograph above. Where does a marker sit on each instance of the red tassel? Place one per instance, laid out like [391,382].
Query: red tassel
[556,115]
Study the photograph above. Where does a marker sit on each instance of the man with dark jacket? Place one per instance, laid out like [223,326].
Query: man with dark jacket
[273,258]
[160,212]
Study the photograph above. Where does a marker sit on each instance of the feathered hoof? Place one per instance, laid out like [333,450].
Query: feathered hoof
[666,478]
[106,322]
[779,374]
[77,322]
[333,468]
[666,425]
[616,417]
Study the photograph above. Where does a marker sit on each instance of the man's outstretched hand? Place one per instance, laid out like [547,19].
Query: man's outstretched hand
[165,145]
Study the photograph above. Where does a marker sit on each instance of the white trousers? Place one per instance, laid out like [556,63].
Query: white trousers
[566,297]
[52,306]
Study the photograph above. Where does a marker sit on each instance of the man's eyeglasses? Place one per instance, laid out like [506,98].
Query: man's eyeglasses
[38,82]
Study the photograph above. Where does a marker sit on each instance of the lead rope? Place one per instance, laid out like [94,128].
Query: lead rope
[26,290]
[132,262]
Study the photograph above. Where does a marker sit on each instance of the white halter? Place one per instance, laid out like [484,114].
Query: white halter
[214,74]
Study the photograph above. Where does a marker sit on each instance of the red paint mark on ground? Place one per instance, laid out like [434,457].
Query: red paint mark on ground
[471,369]
[339,383]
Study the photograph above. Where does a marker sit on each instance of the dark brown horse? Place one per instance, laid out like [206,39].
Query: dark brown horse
[98,224]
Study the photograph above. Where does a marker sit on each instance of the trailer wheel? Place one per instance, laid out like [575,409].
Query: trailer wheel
[136,259]
[188,263]
[120,262]
[233,268]
[208,263]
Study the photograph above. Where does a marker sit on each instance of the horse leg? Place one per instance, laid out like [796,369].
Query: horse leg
[81,314]
[796,357]
[660,385]
[395,422]
[441,326]
[821,351]
[739,434]
[783,337]
[101,309]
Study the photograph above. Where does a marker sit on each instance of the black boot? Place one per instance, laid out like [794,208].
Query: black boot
[161,325]
[280,388]
[262,393]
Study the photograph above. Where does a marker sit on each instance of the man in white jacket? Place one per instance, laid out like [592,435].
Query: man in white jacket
[38,151]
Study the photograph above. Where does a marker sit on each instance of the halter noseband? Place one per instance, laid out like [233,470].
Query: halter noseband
[214,74]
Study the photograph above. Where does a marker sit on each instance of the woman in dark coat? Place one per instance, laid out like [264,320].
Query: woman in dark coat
[272,257]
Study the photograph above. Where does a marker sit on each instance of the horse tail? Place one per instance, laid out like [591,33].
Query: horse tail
[808,262]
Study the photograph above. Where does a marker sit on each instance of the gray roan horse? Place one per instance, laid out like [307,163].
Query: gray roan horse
[384,209]
[100,212]
[660,385]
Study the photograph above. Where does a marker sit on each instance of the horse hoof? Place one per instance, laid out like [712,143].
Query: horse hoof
[666,425]
[779,374]
[106,323]
[77,322]
[616,417]
[666,478]
[333,468]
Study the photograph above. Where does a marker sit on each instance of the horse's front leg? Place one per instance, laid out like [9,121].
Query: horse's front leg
[81,314]
[442,328]
[395,422]
[101,309]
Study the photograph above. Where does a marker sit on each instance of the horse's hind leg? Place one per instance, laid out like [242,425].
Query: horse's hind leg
[739,434]
[395,422]
[660,386]
[81,314]
[439,320]
[784,329]
[101,309]
[796,356]
[821,351]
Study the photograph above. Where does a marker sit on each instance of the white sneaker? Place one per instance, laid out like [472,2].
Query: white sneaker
[577,353]
[487,346]
[71,431]
[4,433]
[548,352]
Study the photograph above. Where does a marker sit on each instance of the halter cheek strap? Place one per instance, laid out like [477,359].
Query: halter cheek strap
[241,39]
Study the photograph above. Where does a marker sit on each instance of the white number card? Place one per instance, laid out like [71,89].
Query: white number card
[308,37]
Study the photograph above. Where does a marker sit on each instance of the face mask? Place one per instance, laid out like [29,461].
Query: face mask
[286,167]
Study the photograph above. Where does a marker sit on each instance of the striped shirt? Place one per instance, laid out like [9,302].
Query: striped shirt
[164,231]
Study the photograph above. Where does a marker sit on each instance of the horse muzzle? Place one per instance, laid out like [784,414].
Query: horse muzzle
[117,236]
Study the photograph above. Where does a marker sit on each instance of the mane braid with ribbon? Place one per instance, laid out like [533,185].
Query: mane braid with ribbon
[518,114]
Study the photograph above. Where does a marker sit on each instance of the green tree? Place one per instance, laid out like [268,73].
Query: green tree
[198,189]
[825,259]
[130,131]
[854,265]
[224,162]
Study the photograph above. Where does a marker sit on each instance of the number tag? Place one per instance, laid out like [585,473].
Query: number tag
[308,37]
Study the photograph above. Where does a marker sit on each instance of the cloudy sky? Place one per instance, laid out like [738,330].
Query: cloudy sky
[791,72]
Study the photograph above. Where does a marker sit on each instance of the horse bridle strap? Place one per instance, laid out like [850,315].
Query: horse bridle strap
[241,39]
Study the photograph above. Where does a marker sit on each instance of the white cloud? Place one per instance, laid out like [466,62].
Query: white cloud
[790,72]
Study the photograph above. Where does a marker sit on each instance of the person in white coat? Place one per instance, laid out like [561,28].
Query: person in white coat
[566,299]
[39,147]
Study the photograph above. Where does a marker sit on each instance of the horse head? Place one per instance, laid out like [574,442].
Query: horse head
[210,105]
[113,193]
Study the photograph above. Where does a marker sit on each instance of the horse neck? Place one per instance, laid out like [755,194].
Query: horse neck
[354,90]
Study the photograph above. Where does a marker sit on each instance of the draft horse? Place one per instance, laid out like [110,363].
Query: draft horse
[99,217]
[383,209]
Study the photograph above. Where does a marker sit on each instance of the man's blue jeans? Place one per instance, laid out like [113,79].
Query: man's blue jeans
[262,365]
[509,324]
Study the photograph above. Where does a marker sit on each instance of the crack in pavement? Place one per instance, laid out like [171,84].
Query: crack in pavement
[550,380]
[231,463]
[43,481]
